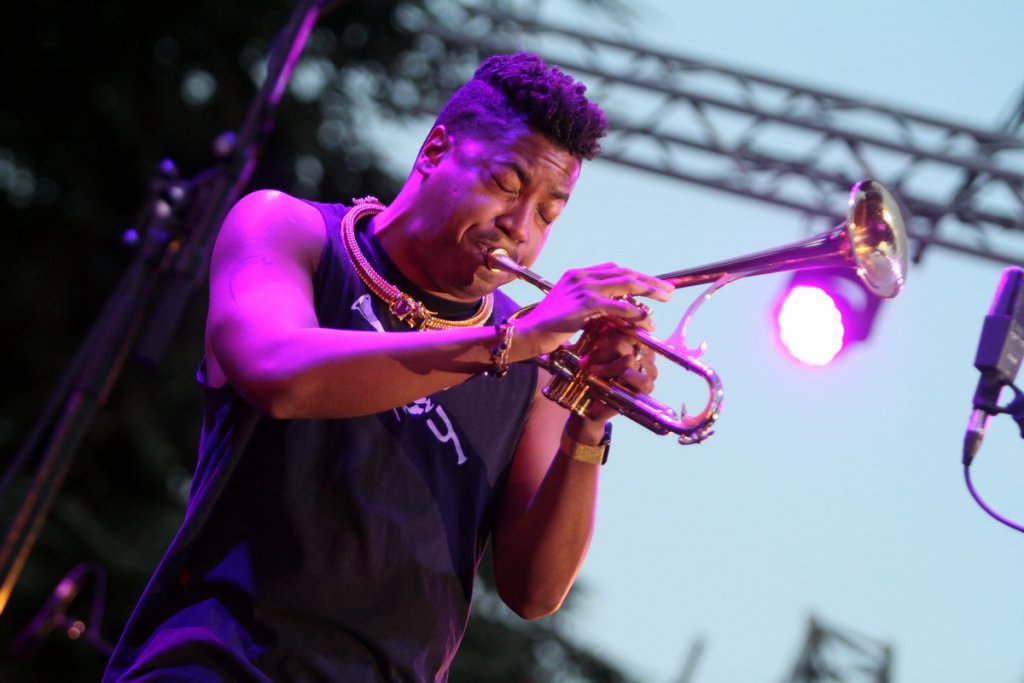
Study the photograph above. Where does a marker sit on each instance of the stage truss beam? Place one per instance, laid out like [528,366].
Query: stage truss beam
[775,141]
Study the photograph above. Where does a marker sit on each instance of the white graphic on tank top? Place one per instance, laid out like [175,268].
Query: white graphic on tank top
[364,307]
[422,407]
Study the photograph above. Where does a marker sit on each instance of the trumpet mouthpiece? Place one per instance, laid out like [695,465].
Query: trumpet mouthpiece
[494,259]
[500,261]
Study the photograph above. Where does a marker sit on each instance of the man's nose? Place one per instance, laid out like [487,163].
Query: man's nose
[514,223]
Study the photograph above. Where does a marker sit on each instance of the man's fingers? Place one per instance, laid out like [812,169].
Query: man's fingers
[624,282]
[615,282]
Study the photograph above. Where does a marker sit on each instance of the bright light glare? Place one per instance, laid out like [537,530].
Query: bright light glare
[810,325]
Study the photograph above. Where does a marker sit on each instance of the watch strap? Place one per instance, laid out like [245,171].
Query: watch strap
[593,455]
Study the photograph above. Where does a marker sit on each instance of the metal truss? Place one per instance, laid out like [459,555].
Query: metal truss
[830,655]
[776,141]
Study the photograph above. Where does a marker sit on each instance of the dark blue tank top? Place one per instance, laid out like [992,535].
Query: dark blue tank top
[331,550]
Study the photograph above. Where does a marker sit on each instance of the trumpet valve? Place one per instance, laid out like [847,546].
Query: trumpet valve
[569,385]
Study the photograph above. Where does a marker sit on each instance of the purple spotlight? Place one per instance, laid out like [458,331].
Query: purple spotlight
[811,325]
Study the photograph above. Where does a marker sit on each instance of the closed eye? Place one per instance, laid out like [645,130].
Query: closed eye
[550,210]
[504,186]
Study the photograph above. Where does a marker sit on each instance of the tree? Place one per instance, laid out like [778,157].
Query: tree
[102,92]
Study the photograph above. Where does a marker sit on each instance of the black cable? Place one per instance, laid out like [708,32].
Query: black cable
[1016,410]
[995,515]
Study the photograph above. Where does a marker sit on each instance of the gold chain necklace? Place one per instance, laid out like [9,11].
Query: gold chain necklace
[401,305]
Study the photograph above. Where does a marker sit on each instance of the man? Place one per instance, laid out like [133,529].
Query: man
[350,474]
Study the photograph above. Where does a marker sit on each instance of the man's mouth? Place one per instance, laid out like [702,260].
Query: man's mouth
[487,250]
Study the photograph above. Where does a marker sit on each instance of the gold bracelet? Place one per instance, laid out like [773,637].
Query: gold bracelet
[499,353]
[593,455]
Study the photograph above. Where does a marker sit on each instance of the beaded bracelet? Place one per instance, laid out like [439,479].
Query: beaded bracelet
[499,354]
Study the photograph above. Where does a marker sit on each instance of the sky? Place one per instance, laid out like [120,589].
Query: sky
[834,493]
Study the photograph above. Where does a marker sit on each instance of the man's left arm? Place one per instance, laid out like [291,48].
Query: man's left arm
[548,510]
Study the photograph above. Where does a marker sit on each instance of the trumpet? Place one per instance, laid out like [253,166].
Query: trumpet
[872,241]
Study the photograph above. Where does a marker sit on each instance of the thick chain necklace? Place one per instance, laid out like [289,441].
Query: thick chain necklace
[401,305]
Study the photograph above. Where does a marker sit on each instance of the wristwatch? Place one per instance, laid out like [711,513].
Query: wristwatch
[594,455]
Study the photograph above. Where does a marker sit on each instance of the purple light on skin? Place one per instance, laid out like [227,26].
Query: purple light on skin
[810,325]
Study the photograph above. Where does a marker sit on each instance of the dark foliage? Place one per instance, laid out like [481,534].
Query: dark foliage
[500,647]
[96,95]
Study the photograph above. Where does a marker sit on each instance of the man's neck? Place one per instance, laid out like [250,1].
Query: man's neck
[389,229]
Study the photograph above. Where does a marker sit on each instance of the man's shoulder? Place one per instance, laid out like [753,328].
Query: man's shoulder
[269,221]
[275,204]
[331,211]
[270,211]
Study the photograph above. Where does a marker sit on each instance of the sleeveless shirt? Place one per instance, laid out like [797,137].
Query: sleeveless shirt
[331,550]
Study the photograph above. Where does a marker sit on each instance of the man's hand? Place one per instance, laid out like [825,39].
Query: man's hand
[618,356]
[582,296]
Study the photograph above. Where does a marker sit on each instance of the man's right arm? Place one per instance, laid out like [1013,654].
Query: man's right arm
[264,338]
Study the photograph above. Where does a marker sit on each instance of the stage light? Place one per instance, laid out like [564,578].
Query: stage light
[810,325]
[821,312]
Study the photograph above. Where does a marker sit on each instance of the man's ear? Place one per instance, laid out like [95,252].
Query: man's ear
[435,148]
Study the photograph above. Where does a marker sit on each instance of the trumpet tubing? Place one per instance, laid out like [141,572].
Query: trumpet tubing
[872,240]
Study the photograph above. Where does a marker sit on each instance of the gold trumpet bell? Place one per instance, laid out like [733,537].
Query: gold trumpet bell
[878,238]
[872,240]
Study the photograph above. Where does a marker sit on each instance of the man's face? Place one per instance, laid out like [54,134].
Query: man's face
[480,194]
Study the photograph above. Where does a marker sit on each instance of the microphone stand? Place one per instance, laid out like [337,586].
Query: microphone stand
[179,222]
[53,615]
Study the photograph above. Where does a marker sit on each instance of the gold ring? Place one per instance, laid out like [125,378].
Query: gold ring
[638,354]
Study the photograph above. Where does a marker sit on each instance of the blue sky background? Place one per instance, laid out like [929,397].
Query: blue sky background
[836,492]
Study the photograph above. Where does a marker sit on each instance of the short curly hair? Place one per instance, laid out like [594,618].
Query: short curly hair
[521,88]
